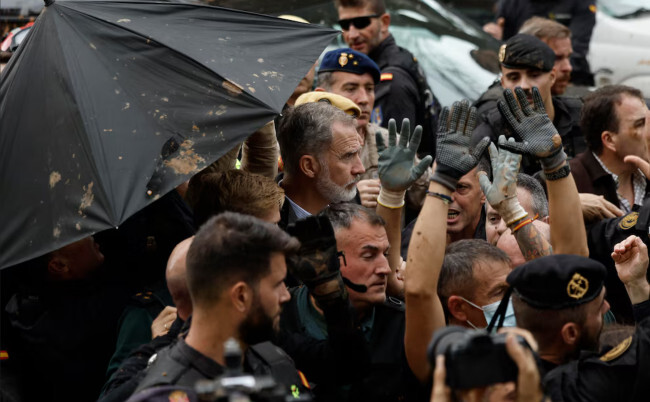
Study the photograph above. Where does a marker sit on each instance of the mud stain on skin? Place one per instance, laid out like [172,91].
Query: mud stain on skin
[55,177]
[87,198]
[187,160]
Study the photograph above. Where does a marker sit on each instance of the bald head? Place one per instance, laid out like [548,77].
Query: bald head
[176,278]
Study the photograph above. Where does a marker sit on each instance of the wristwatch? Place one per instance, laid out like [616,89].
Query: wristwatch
[561,173]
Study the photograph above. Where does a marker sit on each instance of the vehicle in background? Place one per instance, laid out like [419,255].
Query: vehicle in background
[619,52]
[459,59]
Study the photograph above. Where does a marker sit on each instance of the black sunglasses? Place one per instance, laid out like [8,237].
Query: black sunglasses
[358,22]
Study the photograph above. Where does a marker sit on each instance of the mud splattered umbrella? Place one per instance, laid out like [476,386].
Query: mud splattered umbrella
[107,105]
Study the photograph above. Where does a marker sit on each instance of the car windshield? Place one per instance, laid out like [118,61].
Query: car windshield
[459,59]
[624,8]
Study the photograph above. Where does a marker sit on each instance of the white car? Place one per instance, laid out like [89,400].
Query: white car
[619,52]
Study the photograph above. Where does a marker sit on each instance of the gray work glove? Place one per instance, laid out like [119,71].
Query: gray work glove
[396,163]
[540,137]
[502,192]
[454,159]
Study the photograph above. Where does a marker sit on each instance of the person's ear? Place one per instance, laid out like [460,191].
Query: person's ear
[553,76]
[545,219]
[241,296]
[608,140]
[385,23]
[57,267]
[570,333]
[456,307]
[309,166]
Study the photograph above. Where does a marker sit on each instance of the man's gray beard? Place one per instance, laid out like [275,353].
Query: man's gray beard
[332,191]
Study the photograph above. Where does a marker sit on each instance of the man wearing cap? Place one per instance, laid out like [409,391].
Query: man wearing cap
[528,62]
[560,299]
[578,15]
[620,370]
[354,75]
[403,91]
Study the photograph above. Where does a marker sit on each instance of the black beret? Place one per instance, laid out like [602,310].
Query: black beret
[526,51]
[349,61]
[558,281]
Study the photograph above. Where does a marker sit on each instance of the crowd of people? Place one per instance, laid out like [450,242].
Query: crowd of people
[369,245]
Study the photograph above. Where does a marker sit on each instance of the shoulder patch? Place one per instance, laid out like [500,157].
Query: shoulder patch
[386,77]
[143,298]
[617,350]
[178,396]
[629,221]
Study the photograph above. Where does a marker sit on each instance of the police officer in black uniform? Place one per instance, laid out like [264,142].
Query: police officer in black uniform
[620,370]
[578,15]
[530,58]
[402,91]
[235,271]
[560,299]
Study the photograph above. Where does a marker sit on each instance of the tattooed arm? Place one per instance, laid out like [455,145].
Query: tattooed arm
[501,194]
[533,240]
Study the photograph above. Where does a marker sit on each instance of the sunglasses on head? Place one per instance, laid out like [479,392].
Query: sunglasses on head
[358,22]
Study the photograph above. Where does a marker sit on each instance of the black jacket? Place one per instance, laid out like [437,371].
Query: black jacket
[403,92]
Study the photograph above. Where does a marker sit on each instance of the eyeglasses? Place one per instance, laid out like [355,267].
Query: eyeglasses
[358,22]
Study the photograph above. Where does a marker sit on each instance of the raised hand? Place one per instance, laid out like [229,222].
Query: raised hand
[534,127]
[454,159]
[396,162]
[502,192]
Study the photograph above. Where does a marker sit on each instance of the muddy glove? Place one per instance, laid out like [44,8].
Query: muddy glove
[317,262]
[454,159]
[502,193]
[539,135]
[396,170]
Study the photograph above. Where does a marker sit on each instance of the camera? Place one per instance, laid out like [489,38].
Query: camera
[473,358]
[236,386]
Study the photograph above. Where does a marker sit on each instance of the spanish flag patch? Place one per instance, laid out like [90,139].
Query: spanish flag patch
[4,355]
[386,77]
[304,379]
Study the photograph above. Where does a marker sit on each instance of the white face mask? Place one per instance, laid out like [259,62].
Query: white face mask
[490,309]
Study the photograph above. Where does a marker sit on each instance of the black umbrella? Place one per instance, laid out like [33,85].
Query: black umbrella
[108,105]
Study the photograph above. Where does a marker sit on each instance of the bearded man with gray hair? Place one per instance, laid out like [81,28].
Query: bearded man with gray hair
[321,150]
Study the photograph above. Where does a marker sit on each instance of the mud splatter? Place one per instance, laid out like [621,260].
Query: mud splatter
[56,232]
[126,106]
[195,128]
[55,177]
[117,92]
[87,198]
[92,45]
[273,74]
[251,89]
[232,88]
[221,110]
[77,226]
[260,60]
[187,160]
[108,130]
[164,99]
[124,20]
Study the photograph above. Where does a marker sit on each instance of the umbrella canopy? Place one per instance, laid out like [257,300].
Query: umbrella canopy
[107,105]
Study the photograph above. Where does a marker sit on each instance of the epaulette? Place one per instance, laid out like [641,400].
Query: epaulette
[143,298]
